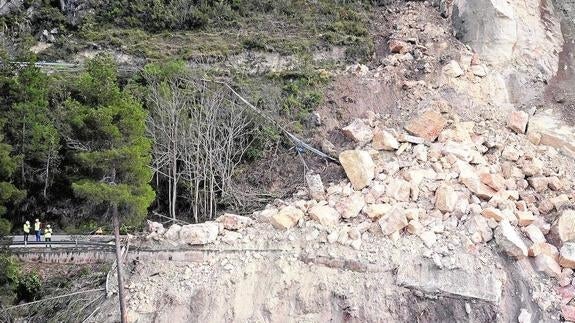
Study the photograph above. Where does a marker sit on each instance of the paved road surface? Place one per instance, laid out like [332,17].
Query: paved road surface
[59,240]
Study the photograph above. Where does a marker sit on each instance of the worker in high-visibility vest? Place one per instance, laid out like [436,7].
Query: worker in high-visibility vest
[48,235]
[26,231]
[37,230]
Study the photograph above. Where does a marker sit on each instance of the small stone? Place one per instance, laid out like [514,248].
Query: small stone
[351,206]
[453,69]
[427,125]
[414,227]
[525,218]
[383,140]
[510,153]
[555,183]
[495,181]
[358,131]
[568,312]
[397,46]
[546,206]
[479,70]
[286,218]
[429,238]
[315,186]
[539,184]
[560,201]
[420,152]
[234,221]
[358,166]
[393,222]
[493,213]
[533,167]
[399,190]
[517,121]
[446,198]
[325,215]
[567,255]
[524,316]
[474,184]
[509,240]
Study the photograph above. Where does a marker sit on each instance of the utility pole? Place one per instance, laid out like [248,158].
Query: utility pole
[121,295]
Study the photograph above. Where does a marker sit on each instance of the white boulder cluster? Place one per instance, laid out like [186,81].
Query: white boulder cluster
[443,174]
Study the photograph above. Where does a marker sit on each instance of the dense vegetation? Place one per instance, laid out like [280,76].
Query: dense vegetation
[64,136]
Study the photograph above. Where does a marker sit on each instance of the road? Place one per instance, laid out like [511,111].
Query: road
[62,241]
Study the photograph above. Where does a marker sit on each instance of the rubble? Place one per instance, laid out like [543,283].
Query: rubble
[325,215]
[383,140]
[392,222]
[315,186]
[565,226]
[567,255]
[517,121]
[359,131]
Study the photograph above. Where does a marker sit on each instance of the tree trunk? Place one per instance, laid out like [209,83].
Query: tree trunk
[63,5]
[121,296]
[45,192]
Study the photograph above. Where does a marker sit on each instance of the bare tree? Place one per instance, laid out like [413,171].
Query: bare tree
[200,133]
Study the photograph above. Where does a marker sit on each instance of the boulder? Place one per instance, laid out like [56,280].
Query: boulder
[155,227]
[534,233]
[427,125]
[565,226]
[173,232]
[399,190]
[376,211]
[493,213]
[524,316]
[234,222]
[429,238]
[325,215]
[517,121]
[525,218]
[358,166]
[384,140]
[414,227]
[509,240]
[286,218]
[315,186]
[567,255]
[548,265]
[539,183]
[199,234]
[358,131]
[495,181]
[351,206]
[478,225]
[446,198]
[533,167]
[394,221]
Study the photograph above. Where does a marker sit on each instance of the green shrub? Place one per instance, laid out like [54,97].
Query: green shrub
[29,287]
[10,270]
[5,227]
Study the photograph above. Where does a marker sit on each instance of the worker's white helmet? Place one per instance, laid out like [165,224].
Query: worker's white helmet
[27,222]
[48,226]
[37,220]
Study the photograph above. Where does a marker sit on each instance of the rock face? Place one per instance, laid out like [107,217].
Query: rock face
[509,240]
[358,166]
[199,234]
[286,218]
[234,222]
[427,125]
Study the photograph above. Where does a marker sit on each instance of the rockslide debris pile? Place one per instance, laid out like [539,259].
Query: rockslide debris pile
[440,175]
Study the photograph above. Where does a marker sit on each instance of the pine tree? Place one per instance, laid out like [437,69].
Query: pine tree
[8,165]
[109,127]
